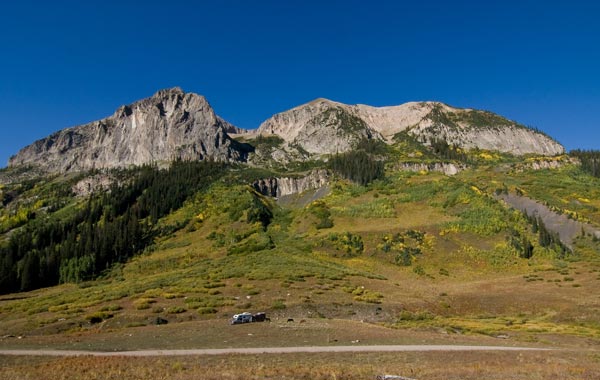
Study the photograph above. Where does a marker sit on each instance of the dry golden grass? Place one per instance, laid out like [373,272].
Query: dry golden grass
[431,366]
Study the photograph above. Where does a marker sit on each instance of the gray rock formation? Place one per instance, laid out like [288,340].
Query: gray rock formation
[448,169]
[88,185]
[267,186]
[319,127]
[566,228]
[176,125]
[548,163]
[167,126]
[323,126]
[279,187]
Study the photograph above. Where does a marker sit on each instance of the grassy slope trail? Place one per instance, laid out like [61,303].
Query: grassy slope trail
[270,350]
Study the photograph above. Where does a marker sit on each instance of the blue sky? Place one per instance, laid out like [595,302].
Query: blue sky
[65,63]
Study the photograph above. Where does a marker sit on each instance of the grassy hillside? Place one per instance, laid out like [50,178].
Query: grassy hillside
[416,251]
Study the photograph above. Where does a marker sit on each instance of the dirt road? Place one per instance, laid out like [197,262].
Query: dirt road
[268,350]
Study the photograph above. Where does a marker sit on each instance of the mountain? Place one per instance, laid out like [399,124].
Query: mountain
[173,125]
[416,235]
[323,126]
[169,125]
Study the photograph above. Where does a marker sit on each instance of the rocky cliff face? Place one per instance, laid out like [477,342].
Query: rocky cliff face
[546,163]
[323,126]
[89,185]
[278,187]
[470,129]
[319,127]
[448,169]
[169,125]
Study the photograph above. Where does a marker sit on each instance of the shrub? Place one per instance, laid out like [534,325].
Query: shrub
[170,296]
[256,242]
[176,310]
[97,317]
[369,297]
[214,285]
[111,308]
[406,255]
[419,270]
[206,310]
[57,308]
[404,246]
[320,210]
[349,243]
[143,303]
[406,315]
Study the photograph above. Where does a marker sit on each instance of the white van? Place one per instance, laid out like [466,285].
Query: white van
[241,318]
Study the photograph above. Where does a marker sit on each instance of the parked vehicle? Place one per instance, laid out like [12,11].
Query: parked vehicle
[241,318]
[247,317]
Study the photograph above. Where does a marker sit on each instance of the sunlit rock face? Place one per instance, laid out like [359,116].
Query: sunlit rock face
[169,125]
[325,127]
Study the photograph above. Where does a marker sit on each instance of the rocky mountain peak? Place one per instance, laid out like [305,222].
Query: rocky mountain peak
[169,125]
[289,124]
[167,92]
[320,126]
[324,126]
[323,102]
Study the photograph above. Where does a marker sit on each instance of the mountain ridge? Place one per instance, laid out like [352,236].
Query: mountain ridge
[427,121]
[173,124]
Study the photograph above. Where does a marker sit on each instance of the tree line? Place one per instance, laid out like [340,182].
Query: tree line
[109,228]
[546,238]
[448,152]
[590,160]
[357,166]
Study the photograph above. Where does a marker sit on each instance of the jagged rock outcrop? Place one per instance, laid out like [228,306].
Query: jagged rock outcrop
[447,168]
[548,163]
[88,185]
[167,126]
[319,127]
[230,128]
[267,186]
[279,187]
[324,126]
